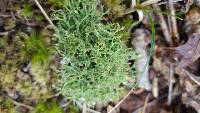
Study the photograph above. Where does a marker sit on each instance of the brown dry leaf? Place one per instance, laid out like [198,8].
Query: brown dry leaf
[183,55]
[191,49]
[188,53]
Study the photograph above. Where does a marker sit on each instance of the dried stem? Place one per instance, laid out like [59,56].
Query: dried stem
[44,13]
[171,75]
[145,103]
[121,100]
[165,2]
[193,78]
[149,2]
[17,103]
[173,21]
[163,25]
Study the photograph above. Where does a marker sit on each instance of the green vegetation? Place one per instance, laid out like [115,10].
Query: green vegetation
[57,2]
[27,11]
[116,8]
[6,106]
[95,60]
[42,107]
[22,49]
[36,49]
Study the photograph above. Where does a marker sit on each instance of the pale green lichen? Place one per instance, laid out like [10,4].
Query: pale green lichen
[95,60]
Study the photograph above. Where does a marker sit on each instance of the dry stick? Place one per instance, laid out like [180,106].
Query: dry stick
[145,103]
[165,2]
[66,104]
[193,78]
[4,33]
[173,21]
[17,103]
[171,74]
[163,25]
[149,2]
[122,100]
[45,14]
[169,22]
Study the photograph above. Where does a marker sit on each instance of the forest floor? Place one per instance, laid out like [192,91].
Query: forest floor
[168,32]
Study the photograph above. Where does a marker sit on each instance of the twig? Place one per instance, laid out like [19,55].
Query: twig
[165,2]
[193,78]
[163,25]
[66,104]
[155,90]
[7,32]
[173,21]
[171,74]
[5,15]
[4,33]
[45,14]
[169,22]
[149,2]
[121,100]
[145,104]
[17,103]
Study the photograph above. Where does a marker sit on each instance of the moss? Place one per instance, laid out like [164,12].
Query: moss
[116,7]
[27,11]
[52,107]
[36,49]
[7,106]
[58,3]
[22,49]
[7,77]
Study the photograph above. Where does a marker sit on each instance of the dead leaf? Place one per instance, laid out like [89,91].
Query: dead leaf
[183,55]
[189,53]
[191,49]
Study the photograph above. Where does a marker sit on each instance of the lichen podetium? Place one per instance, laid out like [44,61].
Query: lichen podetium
[95,60]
